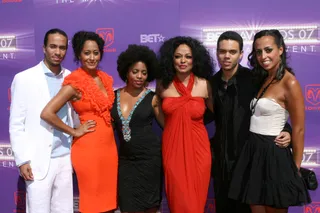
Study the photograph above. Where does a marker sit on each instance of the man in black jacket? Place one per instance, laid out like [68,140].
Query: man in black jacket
[233,88]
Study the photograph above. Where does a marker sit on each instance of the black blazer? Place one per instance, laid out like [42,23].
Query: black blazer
[245,90]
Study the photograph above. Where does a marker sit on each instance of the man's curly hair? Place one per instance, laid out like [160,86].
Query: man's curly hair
[203,64]
[137,53]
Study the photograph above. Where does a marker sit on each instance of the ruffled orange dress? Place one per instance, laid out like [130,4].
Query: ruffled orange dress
[94,155]
[185,151]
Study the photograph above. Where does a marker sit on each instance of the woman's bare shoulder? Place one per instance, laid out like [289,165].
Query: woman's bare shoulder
[290,81]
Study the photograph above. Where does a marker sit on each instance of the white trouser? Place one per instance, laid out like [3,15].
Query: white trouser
[54,193]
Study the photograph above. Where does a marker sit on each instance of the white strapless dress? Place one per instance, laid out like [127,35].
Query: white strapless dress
[269,117]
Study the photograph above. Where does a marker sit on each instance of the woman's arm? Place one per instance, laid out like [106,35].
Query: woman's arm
[159,88]
[156,105]
[295,105]
[49,115]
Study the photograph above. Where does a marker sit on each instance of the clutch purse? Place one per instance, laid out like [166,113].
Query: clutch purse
[309,178]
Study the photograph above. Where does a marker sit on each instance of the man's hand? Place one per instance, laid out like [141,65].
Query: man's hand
[26,171]
[283,139]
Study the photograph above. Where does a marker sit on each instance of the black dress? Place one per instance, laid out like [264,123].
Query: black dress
[140,162]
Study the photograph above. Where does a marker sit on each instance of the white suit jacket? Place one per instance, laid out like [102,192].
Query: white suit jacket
[30,136]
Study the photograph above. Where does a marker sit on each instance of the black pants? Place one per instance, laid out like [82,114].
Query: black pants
[226,205]
[221,190]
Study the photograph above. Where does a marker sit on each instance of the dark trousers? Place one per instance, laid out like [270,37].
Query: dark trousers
[226,205]
[221,190]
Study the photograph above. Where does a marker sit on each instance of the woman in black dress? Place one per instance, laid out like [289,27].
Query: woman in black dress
[134,109]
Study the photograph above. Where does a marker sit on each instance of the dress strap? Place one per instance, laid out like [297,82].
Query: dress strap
[180,86]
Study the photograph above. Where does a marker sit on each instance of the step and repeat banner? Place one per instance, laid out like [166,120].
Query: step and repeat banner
[23,24]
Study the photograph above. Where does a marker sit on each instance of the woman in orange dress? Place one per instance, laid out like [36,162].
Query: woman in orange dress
[94,152]
[185,64]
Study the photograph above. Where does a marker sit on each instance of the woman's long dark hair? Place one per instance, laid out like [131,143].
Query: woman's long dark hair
[259,73]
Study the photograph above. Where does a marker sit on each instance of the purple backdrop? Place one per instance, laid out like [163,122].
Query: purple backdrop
[122,22]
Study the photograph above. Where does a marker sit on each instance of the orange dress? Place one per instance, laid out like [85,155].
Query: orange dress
[94,155]
[186,151]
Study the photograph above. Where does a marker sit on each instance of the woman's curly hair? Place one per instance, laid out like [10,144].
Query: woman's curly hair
[203,64]
[80,38]
[137,53]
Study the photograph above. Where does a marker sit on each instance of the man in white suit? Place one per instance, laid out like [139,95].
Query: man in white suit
[41,152]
